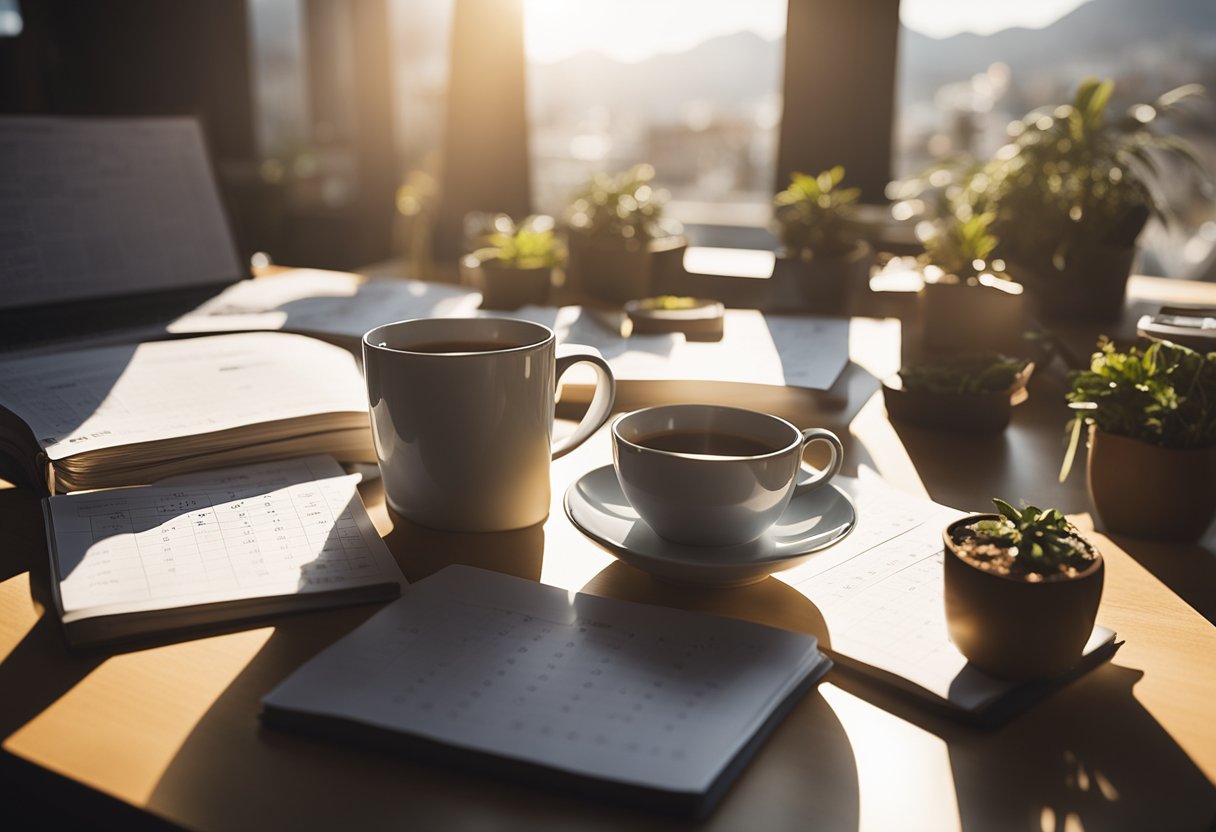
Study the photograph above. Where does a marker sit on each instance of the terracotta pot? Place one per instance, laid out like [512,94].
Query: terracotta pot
[503,287]
[1092,285]
[1144,490]
[956,316]
[820,283]
[1011,628]
[961,412]
[611,270]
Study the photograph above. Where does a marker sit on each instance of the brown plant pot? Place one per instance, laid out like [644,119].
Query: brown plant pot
[1144,490]
[616,271]
[961,412]
[1014,629]
[504,287]
[956,316]
[820,283]
[1092,286]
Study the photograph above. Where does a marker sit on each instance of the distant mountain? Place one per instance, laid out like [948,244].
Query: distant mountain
[733,70]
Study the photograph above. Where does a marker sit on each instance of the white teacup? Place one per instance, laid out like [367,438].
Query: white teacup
[462,418]
[709,475]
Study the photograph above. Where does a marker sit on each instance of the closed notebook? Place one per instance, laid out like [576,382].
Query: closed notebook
[617,699]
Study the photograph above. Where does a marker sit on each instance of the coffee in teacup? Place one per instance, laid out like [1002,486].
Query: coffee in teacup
[710,475]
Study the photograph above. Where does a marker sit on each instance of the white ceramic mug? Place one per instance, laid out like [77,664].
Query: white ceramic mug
[462,418]
[709,475]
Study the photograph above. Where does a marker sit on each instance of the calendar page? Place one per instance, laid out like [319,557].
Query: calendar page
[611,689]
[880,591]
[281,528]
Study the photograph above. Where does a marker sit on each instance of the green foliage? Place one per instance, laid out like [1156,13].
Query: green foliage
[983,373]
[669,303]
[1046,542]
[625,206]
[815,216]
[1071,178]
[1164,395]
[961,246]
[530,245]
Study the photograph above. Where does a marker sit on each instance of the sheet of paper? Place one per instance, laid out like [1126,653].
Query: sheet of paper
[802,351]
[97,207]
[633,693]
[324,302]
[102,398]
[880,591]
[280,528]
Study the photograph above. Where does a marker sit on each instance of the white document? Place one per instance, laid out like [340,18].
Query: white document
[610,689]
[95,207]
[795,350]
[325,303]
[284,528]
[103,398]
[880,591]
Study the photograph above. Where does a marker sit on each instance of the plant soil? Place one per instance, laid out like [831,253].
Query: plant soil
[993,557]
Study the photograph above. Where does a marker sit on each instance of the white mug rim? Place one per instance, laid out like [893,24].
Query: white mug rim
[795,442]
[548,337]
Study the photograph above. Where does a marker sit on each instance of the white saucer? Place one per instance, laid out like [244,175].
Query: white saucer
[814,521]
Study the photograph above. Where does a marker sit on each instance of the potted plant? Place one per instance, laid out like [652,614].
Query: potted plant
[966,301]
[514,265]
[619,241]
[1073,190]
[1021,589]
[822,254]
[973,394]
[1151,416]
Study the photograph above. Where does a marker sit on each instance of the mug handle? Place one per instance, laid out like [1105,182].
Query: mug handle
[821,435]
[601,402]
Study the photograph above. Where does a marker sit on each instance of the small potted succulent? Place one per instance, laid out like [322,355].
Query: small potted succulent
[822,254]
[699,319]
[1072,191]
[972,394]
[513,265]
[1151,415]
[967,302]
[620,243]
[1022,591]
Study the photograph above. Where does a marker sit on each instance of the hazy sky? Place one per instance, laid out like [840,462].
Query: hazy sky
[631,30]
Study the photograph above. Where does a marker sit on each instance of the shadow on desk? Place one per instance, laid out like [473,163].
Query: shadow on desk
[1188,569]
[1087,757]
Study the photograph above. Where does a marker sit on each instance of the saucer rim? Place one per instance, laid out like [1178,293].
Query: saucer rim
[777,558]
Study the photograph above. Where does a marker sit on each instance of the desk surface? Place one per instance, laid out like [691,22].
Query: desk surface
[173,729]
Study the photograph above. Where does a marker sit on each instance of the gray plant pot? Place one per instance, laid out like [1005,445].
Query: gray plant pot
[1092,286]
[955,316]
[617,271]
[820,283]
[504,287]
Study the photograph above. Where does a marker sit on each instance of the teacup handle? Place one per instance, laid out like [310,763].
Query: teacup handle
[601,402]
[821,435]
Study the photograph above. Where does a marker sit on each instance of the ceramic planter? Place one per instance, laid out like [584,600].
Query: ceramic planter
[1144,490]
[961,412]
[1012,628]
[821,283]
[504,287]
[1091,287]
[615,271]
[978,318]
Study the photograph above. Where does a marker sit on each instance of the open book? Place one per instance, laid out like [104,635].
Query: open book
[880,591]
[334,306]
[622,700]
[215,547]
[128,415]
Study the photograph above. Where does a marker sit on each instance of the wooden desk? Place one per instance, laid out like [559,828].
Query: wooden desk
[173,729]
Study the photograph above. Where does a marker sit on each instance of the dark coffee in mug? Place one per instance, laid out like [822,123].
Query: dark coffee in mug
[705,443]
[440,347]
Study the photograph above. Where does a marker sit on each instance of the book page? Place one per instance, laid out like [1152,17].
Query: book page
[281,528]
[325,303]
[797,350]
[880,591]
[83,400]
[97,207]
[612,689]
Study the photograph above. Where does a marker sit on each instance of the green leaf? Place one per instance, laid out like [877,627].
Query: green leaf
[1007,511]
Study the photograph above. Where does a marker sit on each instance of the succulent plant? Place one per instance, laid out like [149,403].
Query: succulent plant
[815,216]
